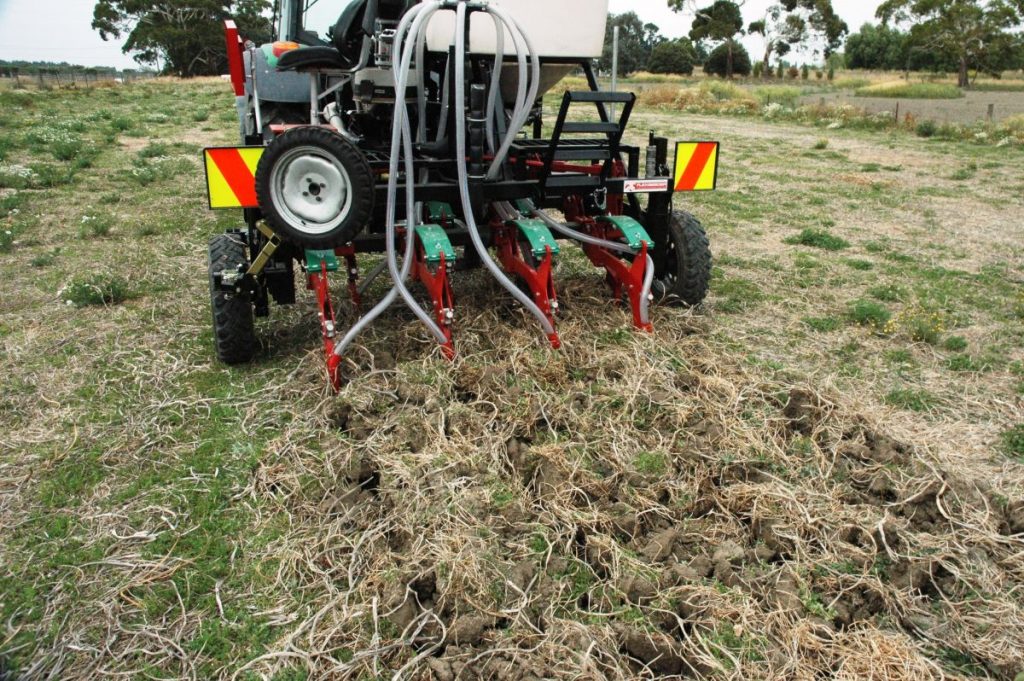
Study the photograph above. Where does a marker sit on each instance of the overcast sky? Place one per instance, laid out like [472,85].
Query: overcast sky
[59,30]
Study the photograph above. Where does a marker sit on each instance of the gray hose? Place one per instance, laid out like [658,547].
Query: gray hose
[460,158]
[492,98]
[401,125]
[401,142]
[523,105]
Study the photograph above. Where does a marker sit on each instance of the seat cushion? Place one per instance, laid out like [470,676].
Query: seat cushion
[312,59]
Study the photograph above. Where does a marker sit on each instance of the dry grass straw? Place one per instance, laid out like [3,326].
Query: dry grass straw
[635,506]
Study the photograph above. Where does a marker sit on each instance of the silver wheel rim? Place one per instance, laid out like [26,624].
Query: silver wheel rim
[311,190]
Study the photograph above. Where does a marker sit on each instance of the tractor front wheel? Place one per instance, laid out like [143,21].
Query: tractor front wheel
[687,274]
[234,332]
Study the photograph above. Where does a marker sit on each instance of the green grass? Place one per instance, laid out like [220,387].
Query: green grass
[955,343]
[888,293]
[911,91]
[998,86]
[1012,440]
[817,238]
[911,399]
[823,324]
[968,363]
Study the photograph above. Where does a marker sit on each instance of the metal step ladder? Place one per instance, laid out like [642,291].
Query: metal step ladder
[604,150]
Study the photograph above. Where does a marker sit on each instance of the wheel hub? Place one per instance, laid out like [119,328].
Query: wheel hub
[311,189]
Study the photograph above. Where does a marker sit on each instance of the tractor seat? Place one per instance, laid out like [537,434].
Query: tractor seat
[319,58]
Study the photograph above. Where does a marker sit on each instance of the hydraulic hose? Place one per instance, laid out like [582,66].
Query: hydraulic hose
[524,100]
[400,128]
[463,172]
[401,143]
[492,97]
[410,39]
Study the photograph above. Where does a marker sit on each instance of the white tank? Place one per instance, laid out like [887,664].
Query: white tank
[567,29]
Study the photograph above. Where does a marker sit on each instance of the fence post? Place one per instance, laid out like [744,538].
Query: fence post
[897,113]
[991,112]
[40,74]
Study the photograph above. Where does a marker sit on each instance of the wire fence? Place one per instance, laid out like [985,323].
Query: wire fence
[56,78]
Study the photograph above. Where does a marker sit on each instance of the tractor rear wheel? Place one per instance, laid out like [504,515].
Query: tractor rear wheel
[687,274]
[234,332]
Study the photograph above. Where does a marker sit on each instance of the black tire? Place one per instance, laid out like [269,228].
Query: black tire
[355,202]
[687,274]
[234,331]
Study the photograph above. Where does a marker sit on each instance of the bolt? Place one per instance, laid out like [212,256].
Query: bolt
[305,194]
[319,199]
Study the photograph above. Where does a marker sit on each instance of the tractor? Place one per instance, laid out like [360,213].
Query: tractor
[416,130]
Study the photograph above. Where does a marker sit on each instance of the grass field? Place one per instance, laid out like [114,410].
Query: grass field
[817,475]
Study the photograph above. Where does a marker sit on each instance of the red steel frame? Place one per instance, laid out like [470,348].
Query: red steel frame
[439,288]
[538,278]
[236,64]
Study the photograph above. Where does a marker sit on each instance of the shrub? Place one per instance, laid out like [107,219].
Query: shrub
[717,62]
[97,289]
[94,226]
[6,240]
[819,74]
[122,124]
[817,238]
[673,56]
[868,313]
[792,73]
[201,115]
[821,144]
[67,149]
[831,73]
[780,71]
[926,129]
[759,70]
[805,72]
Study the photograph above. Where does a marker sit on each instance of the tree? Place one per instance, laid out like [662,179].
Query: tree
[719,22]
[673,56]
[974,33]
[876,47]
[790,23]
[636,42]
[186,35]
[717,63]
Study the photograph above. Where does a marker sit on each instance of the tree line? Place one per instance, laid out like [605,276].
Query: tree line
[959,36]
[951,36]
[184,37]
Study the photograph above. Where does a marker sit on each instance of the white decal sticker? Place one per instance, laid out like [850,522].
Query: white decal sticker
[644,186]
